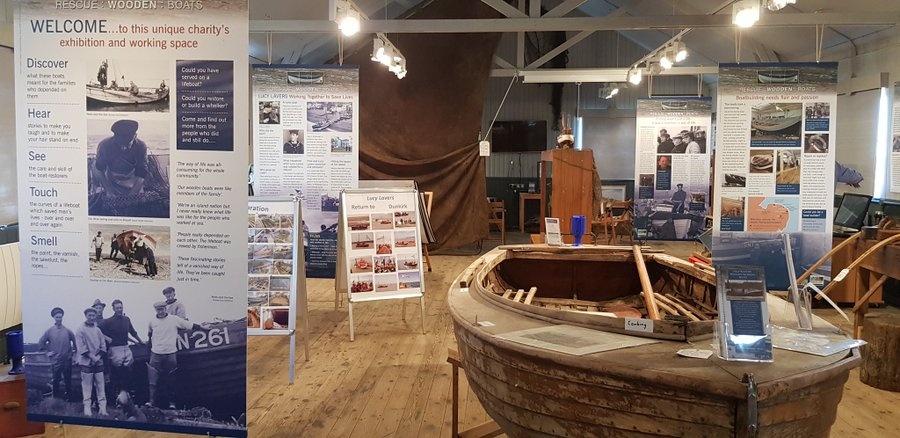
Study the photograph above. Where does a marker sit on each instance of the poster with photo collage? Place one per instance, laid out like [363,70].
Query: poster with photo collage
[383,245]
[271,261]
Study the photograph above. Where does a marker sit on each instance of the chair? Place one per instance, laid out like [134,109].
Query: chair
[616,220]
[497,217]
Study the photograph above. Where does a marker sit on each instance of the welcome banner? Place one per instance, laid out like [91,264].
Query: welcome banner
[132,159]
[774,165]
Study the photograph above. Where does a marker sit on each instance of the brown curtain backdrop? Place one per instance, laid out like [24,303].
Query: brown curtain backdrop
[425,127]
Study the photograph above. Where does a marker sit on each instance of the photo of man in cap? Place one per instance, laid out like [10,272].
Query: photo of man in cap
[119,330]
[59,343]
[90,353]
[126,178]
[163,340]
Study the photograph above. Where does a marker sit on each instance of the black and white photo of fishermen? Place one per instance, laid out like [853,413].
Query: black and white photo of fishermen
[90,355]
[163,339]
[98,245]
[59,343]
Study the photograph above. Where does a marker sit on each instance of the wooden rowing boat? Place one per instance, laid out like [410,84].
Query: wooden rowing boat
[108,95]
[642,391]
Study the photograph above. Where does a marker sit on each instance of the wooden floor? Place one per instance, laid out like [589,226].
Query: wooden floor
[395,381]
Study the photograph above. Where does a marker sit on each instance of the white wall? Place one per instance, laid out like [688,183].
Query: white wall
[8,208]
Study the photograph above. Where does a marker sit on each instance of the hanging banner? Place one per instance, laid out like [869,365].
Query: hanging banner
[306,138]
[774,165]
[132,156]
[672,167]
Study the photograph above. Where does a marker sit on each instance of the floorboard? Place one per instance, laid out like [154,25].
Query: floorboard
[393,381]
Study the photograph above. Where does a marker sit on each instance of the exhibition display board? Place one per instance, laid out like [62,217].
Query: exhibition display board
[672,167]
[306,143]
[132,153]
[276,278]
[774,165]
[895,142]
[382,247]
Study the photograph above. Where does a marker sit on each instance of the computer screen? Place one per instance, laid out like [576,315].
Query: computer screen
[852,212]
[891,209]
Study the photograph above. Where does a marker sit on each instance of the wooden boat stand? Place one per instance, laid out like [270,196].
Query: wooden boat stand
[485,430]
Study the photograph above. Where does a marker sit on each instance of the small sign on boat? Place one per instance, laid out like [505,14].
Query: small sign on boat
[639,325]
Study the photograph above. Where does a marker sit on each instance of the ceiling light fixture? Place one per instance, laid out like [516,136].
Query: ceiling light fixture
[666,58]
[745,13]
[636,75]
[384,52]
[347,16]
[681,52]
[774,5]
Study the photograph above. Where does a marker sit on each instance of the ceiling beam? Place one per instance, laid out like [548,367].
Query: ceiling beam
[886,18]
[559,49]
[564,8]
[588,75]
[504,8]
[503,63]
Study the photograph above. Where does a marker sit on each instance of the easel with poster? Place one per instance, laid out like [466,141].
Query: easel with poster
[380,247]
[276,271]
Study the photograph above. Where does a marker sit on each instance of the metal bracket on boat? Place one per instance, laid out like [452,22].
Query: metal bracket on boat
[752,399]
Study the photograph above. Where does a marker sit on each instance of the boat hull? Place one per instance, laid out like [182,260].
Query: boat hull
[642,391]
[109,96]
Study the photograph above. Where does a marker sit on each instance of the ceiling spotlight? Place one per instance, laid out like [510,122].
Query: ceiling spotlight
[774,5]
[745,13]
[654,68]
[384,52]
[636,75]
[681,52]
[348,17]
[607,91]
[665,59]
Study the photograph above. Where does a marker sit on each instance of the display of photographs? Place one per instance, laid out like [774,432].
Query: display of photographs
[772,123]
[745,289]
[664,163]
[364,240]
[269,112]
[732,207]
[279,298]
[280,283]
[358,223]
[283,252]
[405,239]
[275,318]
[270,268]
[408,262]
[125,154]
[259,266]
[815,143]
[361,264]
[283,267]
[130,251]
[383,221]
[385,264]
[293,142]
[383,243]
[734,180]
[788,165]
[818,110]
[762,160]
[681,140]
[341,144]
[404,219]
[410,280]
[362,283]
[385,283]
[330,202]
[329,116]
[646,180]
[146,89]
[258,283]
[264,235]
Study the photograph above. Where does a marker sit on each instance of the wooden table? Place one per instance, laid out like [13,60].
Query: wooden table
[529,197]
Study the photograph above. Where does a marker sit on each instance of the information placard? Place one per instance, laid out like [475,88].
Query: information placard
[744,331]
[273,240]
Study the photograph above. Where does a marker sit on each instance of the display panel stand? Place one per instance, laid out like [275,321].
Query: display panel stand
[380,247]
[275,236]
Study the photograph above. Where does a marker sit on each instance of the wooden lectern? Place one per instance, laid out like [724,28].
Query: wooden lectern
[573,185]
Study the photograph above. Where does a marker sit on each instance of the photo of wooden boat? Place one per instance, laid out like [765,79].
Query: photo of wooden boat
[642,391]
[306,77]
[119,95]
[778,76]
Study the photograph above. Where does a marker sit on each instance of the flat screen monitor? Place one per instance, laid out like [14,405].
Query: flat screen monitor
[519,136]
[891,209]
[852,212]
